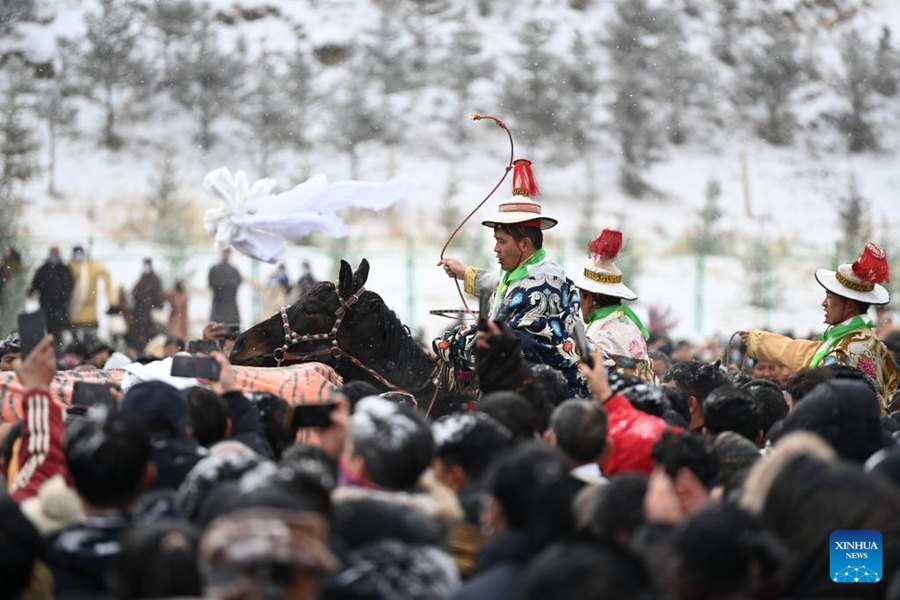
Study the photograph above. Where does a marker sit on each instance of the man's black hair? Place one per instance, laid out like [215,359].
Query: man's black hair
[532,485]
[272,410]
[158,560]
[552,382]
[678,401]
[209,415]
[724,552]
[617,512]
[356,391]
[21,547]
[107,459]
[520,232]
[696,378]
[396,445]
[580,430]
[470,441]
[580,569]
[773,407]
[729,408]
[512,411]
[804,381]
[675,451]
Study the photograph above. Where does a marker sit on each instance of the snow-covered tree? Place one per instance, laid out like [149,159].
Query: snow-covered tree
[206,81]
[18,143]
[14,12]
[354,118]
[111,62]
[887,65]
[708,237]
[387,60]
[531,92]
[462,65]
[173,21]
[56,108]
[857,89]
[303,105]
[772,72]
[853,216]
[759,265]
[263,109]
[170,228]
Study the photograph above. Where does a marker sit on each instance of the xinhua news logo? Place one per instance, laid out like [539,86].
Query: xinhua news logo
[856,556]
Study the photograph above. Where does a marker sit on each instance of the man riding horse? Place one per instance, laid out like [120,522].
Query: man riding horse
[532,294]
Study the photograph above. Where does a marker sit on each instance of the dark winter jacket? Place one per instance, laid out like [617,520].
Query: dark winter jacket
[79,554]
[224,280]
[390,550]
[245,424]
[500,570]
[53,282]
[146,295]
[174,458]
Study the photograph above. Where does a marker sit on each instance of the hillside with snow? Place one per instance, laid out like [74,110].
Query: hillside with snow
[672,94]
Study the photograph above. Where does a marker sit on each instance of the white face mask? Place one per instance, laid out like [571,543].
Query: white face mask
[78,257]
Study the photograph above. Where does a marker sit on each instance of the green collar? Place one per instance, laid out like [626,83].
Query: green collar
[833,335]
[605,311]
[520,272]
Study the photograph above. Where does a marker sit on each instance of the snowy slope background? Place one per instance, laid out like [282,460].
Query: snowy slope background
[383,100]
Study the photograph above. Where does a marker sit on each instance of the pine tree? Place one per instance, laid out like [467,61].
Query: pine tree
[708,241]
[857,88]
[681,84]
[887,65]
[18,145]
[264,109]
[354,120]
[111,63]
[388,66]
[173,20]
[631,33]
[577,104]
[171,228]
[723,44]
[773,72]
[462,66]
[760,267]
[303,105]
[531,93]
[206,81]
[14,12]
[56,108]
[18,165]
[853,215]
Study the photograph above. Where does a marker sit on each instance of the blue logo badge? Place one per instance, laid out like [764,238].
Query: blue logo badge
[855,556]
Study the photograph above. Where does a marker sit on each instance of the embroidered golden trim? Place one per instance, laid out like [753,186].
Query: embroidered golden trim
[602,277]
[469,280]
[859,287]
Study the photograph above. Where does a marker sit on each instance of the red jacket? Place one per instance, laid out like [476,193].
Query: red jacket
[633,433]
[42,454]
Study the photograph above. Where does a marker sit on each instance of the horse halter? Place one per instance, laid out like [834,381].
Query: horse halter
[292,338]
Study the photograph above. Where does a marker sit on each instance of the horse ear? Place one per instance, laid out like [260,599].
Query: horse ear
[345,280]
[361,275]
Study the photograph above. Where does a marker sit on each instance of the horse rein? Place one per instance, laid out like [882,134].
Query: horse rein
[292,338]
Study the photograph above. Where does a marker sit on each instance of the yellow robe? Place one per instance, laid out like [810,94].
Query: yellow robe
[83,309]
[859,349]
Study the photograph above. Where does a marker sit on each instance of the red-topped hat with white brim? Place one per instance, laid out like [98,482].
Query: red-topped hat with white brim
[521,209]
[601,275]
[860,279]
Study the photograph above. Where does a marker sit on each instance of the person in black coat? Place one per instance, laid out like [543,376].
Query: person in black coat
[147,296]
[53,283]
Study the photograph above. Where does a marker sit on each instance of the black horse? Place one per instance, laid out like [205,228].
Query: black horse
[351,329]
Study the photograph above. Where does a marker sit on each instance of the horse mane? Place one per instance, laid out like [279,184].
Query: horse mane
[410,361]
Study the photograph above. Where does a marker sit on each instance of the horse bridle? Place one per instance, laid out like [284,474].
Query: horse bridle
[292,338]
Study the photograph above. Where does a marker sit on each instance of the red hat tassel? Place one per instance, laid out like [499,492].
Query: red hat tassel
[872,266]
[607,246]
[524,183]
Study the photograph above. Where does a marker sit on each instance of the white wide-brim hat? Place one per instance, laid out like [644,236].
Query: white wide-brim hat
[520,210]
[603,278]
[844,283]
